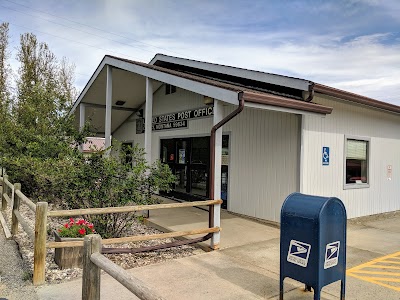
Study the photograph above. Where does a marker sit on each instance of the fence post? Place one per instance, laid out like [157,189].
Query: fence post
[16,203]
[5,191]
[39,247]
[91,272]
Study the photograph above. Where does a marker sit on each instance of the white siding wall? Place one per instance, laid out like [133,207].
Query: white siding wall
[350,119]
[264,151]
[264,163]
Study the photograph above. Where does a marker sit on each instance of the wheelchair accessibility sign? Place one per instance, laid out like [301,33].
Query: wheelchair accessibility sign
[299,253]
[325,156]
[331,255]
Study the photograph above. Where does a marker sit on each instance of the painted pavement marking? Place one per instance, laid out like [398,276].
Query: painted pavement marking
[379,271]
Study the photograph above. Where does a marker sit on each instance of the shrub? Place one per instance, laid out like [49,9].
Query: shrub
[99,181]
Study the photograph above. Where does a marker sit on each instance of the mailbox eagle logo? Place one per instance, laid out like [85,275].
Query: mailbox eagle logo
[331,255]
[299,253]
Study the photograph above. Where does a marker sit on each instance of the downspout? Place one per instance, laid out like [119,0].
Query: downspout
[212,154]
[310,92]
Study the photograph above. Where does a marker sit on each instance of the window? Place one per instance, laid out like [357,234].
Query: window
[356,162]
[170,89]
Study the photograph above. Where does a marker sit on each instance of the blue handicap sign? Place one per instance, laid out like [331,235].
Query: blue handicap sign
[325,156]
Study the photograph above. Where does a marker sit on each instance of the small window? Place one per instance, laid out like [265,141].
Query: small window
[356,163]
[170,89]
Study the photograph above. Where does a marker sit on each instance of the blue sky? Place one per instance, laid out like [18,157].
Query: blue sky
[352,45]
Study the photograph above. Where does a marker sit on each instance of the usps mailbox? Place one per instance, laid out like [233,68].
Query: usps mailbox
[313,242]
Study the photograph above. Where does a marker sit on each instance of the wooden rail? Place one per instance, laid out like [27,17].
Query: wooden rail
[27,228]
[94,262]
[139,238]
[26,200]
[5,201]
[5,186]
[3,222]
[125,209]
[7,198]
[39,234]
[5,180]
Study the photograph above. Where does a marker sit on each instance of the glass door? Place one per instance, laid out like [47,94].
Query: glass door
[200,165]
[182,159]
[189,160]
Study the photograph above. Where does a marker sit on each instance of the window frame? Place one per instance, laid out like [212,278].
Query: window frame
[347,186]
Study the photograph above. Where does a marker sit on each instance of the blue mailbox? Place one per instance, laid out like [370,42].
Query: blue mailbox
[313,242]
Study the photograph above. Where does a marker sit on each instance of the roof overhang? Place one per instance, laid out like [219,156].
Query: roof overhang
[340,94]
[291,82]
[272,102]
[129,85]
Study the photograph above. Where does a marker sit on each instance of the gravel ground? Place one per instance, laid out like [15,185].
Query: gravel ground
[15,281]
[55,275]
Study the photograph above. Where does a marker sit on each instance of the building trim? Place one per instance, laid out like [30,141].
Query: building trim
[337,93]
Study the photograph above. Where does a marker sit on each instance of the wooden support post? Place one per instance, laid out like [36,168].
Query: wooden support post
[5,191]
[91,272]
[39,247]
[16,203]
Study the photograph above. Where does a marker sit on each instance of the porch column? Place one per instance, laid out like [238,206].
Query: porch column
[218,116]
[148,119]
[82,109]
[107,131]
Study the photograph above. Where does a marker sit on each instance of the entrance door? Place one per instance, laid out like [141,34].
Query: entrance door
[189,160]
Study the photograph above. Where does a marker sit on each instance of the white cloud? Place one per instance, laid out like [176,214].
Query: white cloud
[366,63]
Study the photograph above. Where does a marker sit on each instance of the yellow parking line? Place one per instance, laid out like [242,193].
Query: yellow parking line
[376,266]
[390,262]
[375,272]
[385,279]
[387,285]
[394,255]
[369,271]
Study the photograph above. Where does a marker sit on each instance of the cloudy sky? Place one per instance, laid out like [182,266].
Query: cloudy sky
[348,44]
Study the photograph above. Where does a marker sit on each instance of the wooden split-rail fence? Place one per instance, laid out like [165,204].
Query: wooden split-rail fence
[12,196]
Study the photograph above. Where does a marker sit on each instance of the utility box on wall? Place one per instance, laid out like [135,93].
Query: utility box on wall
[313,242]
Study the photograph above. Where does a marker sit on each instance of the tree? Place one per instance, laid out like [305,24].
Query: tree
[41,152]
[5,94]
[4,68]
[38,127]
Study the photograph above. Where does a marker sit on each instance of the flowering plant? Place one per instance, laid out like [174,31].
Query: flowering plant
[76,229]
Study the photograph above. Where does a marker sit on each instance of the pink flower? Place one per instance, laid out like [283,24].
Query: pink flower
[66,225]
[82,231]
[80,222]
[90,225]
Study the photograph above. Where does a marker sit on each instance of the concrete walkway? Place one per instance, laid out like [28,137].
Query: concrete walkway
[247,266]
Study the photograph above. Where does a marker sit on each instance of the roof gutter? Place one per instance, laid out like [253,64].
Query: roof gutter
[330,91]
[278,101]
